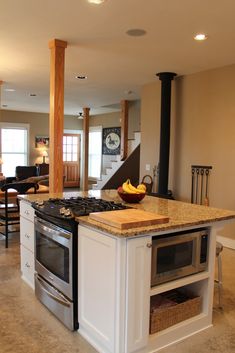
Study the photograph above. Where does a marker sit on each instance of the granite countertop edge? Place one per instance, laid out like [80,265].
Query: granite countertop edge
[181,214]
[86,221]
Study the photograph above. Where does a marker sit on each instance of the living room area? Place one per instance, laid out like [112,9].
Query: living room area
[25,146]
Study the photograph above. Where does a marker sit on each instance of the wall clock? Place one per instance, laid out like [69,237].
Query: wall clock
[111,140]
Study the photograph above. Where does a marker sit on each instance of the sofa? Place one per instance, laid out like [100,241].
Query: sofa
[30,174]
[25,172]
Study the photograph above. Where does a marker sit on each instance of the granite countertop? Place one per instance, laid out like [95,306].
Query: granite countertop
[181,214]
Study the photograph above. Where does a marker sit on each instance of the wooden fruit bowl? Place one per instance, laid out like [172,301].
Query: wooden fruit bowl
[131,198]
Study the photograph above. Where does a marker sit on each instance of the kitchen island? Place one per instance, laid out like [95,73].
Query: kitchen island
[114,274]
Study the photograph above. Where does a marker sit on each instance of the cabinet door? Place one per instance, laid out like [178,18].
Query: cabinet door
[27,266]
[138,292]
[97,287]
[26,211]
[27,234]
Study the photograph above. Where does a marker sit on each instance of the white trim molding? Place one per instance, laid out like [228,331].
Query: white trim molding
[227,242]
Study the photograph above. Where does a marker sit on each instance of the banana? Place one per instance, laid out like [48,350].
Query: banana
[137,191]
[134,189]
[141,187]
[126,188]
[130,189]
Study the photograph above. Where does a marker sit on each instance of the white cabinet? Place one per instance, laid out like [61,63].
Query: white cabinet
[27,242]
[27,265]
[137,292]
[113,290]
[97,287]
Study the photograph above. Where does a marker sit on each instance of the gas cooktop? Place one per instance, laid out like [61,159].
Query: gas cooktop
[69,208]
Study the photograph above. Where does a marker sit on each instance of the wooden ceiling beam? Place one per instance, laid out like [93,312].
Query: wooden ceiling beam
[56,123]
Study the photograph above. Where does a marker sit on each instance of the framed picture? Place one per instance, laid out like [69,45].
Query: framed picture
[41,141]
[111,140]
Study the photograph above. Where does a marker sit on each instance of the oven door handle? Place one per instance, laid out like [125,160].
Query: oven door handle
[61,299]
[51,230]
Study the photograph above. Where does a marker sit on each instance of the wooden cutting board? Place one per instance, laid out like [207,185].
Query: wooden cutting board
[129,218]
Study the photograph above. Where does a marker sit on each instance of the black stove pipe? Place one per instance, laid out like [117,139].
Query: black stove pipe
[165,78]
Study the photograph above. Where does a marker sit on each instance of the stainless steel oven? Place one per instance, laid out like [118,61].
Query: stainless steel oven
[178,255]
[56,270]
[56,249]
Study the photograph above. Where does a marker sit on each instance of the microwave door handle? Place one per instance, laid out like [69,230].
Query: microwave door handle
[197,253]
[60,299]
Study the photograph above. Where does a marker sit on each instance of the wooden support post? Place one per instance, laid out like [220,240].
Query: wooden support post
[85,148]
[1,82]
[56,124]
[124,129]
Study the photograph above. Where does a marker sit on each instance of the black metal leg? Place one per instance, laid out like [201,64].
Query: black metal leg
[6,235]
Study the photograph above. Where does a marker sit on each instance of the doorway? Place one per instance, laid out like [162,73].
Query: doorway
[71,159]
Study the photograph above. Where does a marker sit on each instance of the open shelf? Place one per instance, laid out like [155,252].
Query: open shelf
[179,283]
[177,332]
[181,324]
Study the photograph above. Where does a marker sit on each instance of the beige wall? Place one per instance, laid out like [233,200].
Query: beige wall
[113,119]
[39,125]
[203,132]
[150,129]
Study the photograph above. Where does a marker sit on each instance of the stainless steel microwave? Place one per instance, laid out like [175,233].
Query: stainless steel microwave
[178,255]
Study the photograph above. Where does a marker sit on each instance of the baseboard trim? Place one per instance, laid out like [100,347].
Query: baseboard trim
[227,242]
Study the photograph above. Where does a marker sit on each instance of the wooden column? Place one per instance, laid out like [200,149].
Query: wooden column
[56,124]
[85,148]
[124,129]
[1,82]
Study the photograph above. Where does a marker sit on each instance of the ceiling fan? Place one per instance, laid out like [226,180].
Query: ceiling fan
[80,116]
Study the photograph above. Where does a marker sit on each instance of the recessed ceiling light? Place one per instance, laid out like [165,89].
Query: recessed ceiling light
[97,2]
[81,77]
[200,37]
[9,90]
[136,32]
[32,95]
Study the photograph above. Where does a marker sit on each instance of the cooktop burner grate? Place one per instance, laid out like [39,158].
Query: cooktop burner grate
[69,208]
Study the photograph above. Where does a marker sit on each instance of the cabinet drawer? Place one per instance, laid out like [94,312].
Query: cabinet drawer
[26,211]
[27,266]
[27,234]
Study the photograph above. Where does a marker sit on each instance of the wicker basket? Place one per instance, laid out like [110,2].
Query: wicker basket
[172,307]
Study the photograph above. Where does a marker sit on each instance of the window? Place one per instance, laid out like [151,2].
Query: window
[13,147]
[95,152]
[71,148]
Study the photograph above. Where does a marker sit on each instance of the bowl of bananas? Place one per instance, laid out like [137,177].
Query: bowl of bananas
[130,193]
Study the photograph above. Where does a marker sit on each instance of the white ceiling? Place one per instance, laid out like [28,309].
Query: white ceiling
[99,47]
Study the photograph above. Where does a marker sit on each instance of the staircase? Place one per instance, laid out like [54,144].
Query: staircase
[116,163]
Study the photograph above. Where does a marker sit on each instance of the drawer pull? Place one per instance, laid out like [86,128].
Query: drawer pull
[27,265]
[26,212]
[149,245]
[27,236]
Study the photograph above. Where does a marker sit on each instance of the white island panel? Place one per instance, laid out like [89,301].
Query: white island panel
[97,287]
